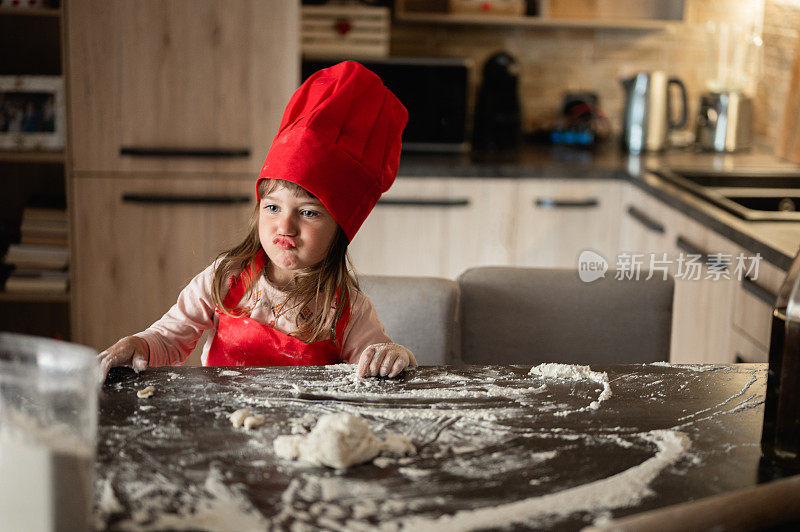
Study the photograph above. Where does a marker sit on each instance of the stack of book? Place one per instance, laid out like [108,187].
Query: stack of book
[41,259]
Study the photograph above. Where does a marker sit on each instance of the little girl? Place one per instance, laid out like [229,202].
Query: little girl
[285,296]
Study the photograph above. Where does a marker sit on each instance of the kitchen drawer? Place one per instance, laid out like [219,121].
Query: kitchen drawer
[701,313]
[744,349]
[139,241]
[558,219]
[644,224]
[178,86]
[754,300]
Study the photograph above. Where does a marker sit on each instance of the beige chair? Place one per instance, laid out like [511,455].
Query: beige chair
[419,312]
[529,316]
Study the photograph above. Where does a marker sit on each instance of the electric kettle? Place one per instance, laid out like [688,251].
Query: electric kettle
[648,117]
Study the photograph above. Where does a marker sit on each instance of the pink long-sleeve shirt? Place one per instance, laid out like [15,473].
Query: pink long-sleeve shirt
[173,337]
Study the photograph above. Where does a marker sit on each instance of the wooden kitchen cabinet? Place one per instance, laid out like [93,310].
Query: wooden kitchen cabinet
[185,85]
[643,224]
[754,297]
[139,241]
[702,305]
[557,219]
[406,232]
[482,234]
[437,227]
[443,226]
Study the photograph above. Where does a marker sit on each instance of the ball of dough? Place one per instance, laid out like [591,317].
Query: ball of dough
[238,417]
[147,392]
[338,440]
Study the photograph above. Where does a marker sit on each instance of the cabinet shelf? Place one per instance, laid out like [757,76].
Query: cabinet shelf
[32,156]
[37,38]
[540,22]
[630,15]
[31,12]
[37,297]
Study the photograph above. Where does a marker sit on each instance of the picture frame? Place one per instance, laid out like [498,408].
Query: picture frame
[32,113]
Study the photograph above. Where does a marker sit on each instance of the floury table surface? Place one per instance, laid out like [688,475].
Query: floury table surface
[496,447]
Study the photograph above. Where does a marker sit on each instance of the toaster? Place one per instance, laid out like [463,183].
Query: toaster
[724,122]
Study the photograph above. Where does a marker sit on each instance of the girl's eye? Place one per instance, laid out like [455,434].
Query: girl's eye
[309,213]
[271,208]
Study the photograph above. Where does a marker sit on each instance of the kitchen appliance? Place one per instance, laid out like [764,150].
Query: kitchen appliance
[724,121]
[433,90]
[725,114]
[498,119]
[648,114]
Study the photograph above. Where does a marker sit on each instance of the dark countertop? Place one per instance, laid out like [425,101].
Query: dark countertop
[777,242]
[494,444]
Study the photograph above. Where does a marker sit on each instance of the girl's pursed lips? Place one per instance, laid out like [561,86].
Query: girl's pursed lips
[284,242]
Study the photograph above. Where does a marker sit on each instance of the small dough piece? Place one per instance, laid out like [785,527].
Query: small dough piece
[238,417]
[340,441]
[147,392]
[254,421]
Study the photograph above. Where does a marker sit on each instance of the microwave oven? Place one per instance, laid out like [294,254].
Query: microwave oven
[433,90]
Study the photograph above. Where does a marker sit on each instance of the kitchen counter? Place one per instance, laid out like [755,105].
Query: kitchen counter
[777,242]
[496,446]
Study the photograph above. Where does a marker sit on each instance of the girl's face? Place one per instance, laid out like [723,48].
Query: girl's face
[295,230]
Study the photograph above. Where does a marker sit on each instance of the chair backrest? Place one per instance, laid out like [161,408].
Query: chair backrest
[419,312]
[529,316]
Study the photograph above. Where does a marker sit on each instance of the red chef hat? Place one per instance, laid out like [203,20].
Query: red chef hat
[340,140]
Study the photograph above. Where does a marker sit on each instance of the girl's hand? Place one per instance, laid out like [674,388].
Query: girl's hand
[384,360]
[130,350]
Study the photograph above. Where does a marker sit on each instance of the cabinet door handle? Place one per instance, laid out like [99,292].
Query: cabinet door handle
[184,199]
[758,291]
[404,202]
[555,203]
[686,245]
[645,220]
[207,153]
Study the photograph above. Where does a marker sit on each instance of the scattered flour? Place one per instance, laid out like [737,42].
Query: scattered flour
[340,441]
[230,373]
[575,372]
[214,507]
[383,462]
[147,392]
[108,503]
[623,489]
[691,367]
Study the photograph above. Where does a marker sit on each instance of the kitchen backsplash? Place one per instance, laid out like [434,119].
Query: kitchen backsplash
[781,25]
[555,60]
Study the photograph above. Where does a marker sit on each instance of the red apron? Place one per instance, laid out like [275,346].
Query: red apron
[242,341]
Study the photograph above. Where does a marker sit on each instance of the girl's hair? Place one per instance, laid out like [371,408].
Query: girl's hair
[315,287]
